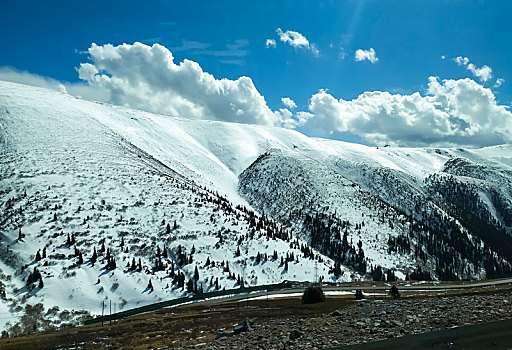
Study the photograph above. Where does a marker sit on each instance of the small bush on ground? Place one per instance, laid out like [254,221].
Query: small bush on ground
[313,295]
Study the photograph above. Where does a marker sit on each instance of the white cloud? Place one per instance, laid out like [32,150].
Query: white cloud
[443,57]
[483,73]
[314,49]
[76,89]
[288,102]
[454,112]
[342,53]
[146,77]
[370,55]
[270,43]
[461,61]
[22,77]
[297,40]
[498,83]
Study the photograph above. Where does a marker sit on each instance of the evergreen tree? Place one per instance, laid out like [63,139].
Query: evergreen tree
[38,255]
[44,253]
[41,284]
[196,274]
[80,258]
[150,285]
[94,257]
[190,286]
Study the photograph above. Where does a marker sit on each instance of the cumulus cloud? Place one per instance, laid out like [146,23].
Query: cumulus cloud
[147,78]
[270,43]
[288,102]
[483,73]
[453,112]
[362,55]
[297,40]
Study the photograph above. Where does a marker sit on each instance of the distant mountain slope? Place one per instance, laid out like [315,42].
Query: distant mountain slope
[236,201]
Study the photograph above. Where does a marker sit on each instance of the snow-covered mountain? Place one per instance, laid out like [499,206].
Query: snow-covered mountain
[166,197]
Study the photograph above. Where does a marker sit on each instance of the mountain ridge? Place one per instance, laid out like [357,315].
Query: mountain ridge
[264,204]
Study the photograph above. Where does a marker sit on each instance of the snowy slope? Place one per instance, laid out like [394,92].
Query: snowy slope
[69,166]
[112,175]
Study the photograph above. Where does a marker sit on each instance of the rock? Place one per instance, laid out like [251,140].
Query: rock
[225,334]
[245,326]
[336,313]
[295,334]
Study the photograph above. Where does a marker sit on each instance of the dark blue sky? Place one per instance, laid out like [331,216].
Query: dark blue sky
[409,37]
[311,59]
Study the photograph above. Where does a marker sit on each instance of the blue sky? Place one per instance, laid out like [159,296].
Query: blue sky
[227,39]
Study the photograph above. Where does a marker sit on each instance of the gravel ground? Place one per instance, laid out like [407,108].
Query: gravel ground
[370,320]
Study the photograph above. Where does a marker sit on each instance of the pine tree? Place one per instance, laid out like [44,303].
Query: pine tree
[286,265]
[196,274]
[237,253]
[139,266]
[122,241]
[207,261]
[190,286]
[20,235]
[94,257]
[80,258]
[168,229]
[175,226]
[150,285]
[44,253]
[38,255]
[41,284]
